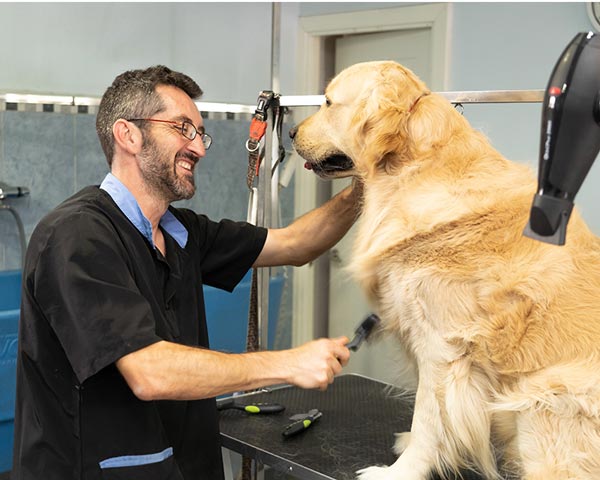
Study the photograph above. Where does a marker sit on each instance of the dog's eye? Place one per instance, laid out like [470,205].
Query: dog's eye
[327,102]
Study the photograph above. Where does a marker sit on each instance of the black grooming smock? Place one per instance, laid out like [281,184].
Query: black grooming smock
[94,290]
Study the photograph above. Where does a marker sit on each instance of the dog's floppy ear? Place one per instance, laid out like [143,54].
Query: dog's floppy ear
[432,123]
[384,119]
[380,123]
[398,120]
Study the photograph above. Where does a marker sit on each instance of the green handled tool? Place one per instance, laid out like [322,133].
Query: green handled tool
[251,407]
[301,423]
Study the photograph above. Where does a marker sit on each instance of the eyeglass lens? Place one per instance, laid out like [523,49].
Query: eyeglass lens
[189,131]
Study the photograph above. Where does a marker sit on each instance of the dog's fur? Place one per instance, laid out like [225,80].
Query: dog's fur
[504,330]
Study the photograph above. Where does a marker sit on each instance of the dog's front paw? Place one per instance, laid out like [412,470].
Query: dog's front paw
[392,472]
[375,473]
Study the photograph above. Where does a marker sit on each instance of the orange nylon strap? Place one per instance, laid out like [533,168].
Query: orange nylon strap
[258,127]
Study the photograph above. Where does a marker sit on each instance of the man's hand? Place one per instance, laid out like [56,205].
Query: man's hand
[316,363]
[313,233]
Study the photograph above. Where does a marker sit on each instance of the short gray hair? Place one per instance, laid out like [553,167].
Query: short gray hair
[133,95]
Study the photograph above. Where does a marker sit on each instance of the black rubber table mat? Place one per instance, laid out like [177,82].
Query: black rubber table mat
[360,418]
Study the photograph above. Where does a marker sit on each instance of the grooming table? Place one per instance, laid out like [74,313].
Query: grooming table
[360,418]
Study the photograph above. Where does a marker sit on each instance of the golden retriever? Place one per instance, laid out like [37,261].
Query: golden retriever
[504,330]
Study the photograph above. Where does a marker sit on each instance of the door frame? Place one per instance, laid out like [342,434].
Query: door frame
[311,67]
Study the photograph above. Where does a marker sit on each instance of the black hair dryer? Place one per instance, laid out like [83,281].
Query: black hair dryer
[570,138]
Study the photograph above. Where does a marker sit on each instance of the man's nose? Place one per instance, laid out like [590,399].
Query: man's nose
[197,146]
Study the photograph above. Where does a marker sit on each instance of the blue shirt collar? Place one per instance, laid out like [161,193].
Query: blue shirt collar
[130,207]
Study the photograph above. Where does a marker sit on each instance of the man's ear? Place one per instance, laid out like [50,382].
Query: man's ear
[128,136]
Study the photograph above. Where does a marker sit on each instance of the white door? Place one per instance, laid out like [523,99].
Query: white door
[347,304]
[411,48]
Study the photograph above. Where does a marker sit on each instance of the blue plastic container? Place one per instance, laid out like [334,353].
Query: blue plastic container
[10,299]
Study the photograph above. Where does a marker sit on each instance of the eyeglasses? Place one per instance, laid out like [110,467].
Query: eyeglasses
[186,128]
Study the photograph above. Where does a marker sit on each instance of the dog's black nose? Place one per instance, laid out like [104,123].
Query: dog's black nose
[293,132]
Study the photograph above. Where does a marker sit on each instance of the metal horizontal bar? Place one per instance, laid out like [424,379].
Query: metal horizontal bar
[95,101]
[495,96]
[36,99]
[225,107]
[301,100]
[490,96]
[485,96]
[87,101]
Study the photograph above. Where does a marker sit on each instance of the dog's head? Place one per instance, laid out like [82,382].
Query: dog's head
[375,115]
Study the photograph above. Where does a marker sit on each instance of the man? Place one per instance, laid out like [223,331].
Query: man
[113,379]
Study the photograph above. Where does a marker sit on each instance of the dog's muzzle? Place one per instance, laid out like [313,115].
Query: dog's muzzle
[335,165]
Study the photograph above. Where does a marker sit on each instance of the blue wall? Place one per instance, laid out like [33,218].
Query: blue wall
[54,155]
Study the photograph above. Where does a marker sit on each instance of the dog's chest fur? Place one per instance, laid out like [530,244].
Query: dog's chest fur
[425,276]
